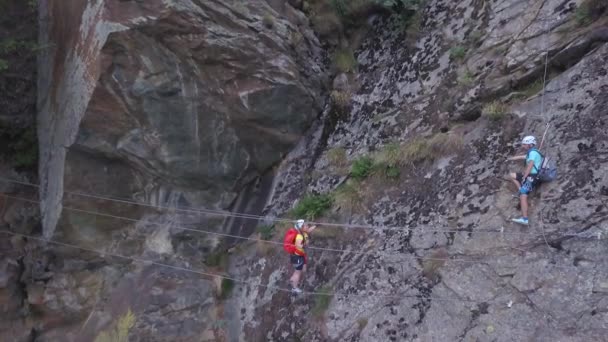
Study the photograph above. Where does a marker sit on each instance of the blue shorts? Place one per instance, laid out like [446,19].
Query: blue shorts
[526,185]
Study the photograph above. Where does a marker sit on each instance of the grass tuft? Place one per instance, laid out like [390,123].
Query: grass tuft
[475,38]
[120,331]
[391,155]
[362,168]
[444,144]
[416,151]
[344,60]
[268,21]
[266,232]
[392,172]
[337,157]
[348,197]
[532,88]
[340,99]
[217,258]
[495,110]
[426,149]
[466,78]
[458,52]
[362,323]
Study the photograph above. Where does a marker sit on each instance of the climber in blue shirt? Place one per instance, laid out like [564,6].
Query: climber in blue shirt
[526,181]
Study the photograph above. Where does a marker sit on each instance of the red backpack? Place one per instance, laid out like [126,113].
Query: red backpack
[289,240]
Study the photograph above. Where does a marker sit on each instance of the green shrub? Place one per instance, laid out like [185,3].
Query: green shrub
[495,110]
[21,146]
[3,64]
[362,167]
[312,206]
[322,301]
[226,288]
[458,52]
[589,11]
[344,60]
[266,232]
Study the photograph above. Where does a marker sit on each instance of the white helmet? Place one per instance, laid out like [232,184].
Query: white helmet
[299,224]
[529,140]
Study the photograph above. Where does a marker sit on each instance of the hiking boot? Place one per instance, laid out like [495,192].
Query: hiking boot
[521,220]
[296,290]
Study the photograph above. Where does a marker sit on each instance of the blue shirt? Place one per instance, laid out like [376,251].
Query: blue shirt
[534,155]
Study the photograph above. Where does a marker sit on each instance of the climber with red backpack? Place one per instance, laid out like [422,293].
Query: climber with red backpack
[294,243]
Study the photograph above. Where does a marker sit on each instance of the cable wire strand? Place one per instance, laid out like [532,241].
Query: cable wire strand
[275,219]
[236,280]
[343,251]
[240,237]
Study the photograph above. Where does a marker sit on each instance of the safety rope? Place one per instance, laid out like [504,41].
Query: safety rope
[542,109]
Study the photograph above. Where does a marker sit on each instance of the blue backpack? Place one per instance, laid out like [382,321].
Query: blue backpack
[548,168]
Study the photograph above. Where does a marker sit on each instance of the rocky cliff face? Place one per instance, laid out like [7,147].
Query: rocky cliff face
[415,281]
[181,103]
[188,100]
[173,103]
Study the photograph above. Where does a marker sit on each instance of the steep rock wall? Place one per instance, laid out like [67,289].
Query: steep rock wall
[514,286]
[192,100]
[443,271]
